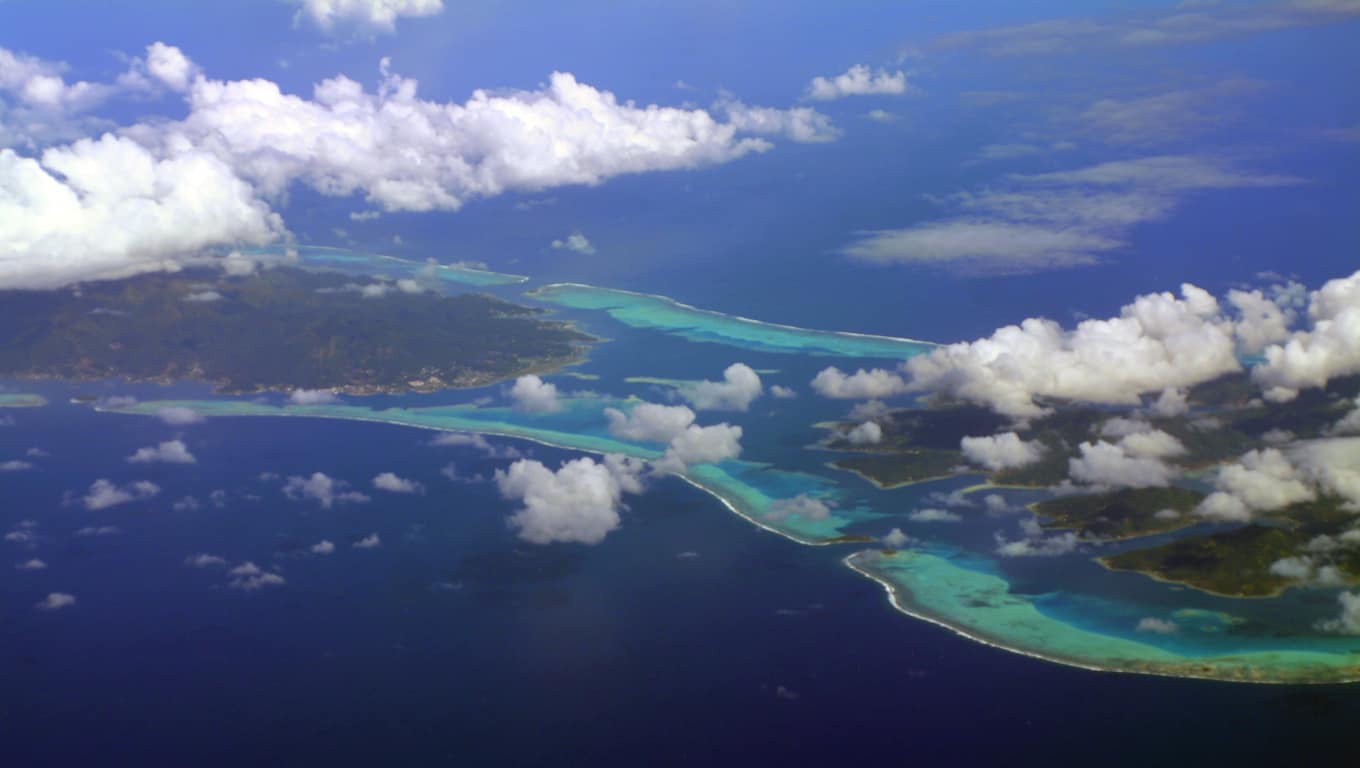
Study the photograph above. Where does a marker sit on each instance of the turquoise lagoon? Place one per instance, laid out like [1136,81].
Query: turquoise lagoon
[647,311]
[944,576]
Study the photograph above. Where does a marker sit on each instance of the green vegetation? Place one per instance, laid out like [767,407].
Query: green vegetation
[903,468]
[1122,514]
[281,329]
[1236,562]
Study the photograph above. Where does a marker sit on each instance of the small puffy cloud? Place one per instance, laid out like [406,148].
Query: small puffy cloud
[1331,465]
[203,560]
[202,297]
[1262,320]
[860,385]
[1003,451]
[650,422]
[364,16]
[800,124]
[249,577]
[1308,569]
[323,547]
[869,410]
[1348,622]
[477,442]
[739,387]
[323,489]
[312,397]
[783,392]
[371,541]
[532,394]
[168,452]
[1152,443]
[995,503]
[896,539]
[801,506]
[390,482]
[104,493]
[579,502]
[1348,424]
[1114,465]
[56,601]
[1156,626]
[15,465]
[97,530]
[1121,426]
[575,242]
[33,564]
[1329,349]
[170,67]
[1034,543]
[179,416]
[701,445]
[186,504]
[932,515]
[859,80]
[1259,481]
[868,433]
[1171,403]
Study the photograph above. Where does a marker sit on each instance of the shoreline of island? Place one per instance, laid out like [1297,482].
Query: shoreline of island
[1204,671]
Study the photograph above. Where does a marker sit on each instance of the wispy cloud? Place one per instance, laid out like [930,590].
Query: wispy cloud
[1052,220]
[1176,26]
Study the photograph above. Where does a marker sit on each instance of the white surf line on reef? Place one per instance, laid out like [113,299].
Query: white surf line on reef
[724,315]
[894,599]
[514,436]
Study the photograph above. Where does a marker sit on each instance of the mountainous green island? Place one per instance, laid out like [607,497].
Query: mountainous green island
[1226,419]
[278,329]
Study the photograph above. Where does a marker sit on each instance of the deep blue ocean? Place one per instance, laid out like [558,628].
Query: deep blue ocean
[687,636]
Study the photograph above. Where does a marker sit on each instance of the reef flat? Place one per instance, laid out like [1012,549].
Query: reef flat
[982,607]
[746,488]
[21,400]
[642,310]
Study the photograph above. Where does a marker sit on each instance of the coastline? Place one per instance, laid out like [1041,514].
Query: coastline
[421,387]
[1189,669]
[540,294]
[899,597]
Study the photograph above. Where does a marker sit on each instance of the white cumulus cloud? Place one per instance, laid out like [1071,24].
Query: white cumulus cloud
[858,80]
[168,452]
[532,394]
[1329,349]
[364,16]
[390,482]
[1157,341]
[860,385]
[1003,451]
[868,433]
[576,242]
[323,489]
[739,387]
[104,493]
[650,422]
[578,502]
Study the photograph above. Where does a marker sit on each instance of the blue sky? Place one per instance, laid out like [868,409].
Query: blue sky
[1233,128]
